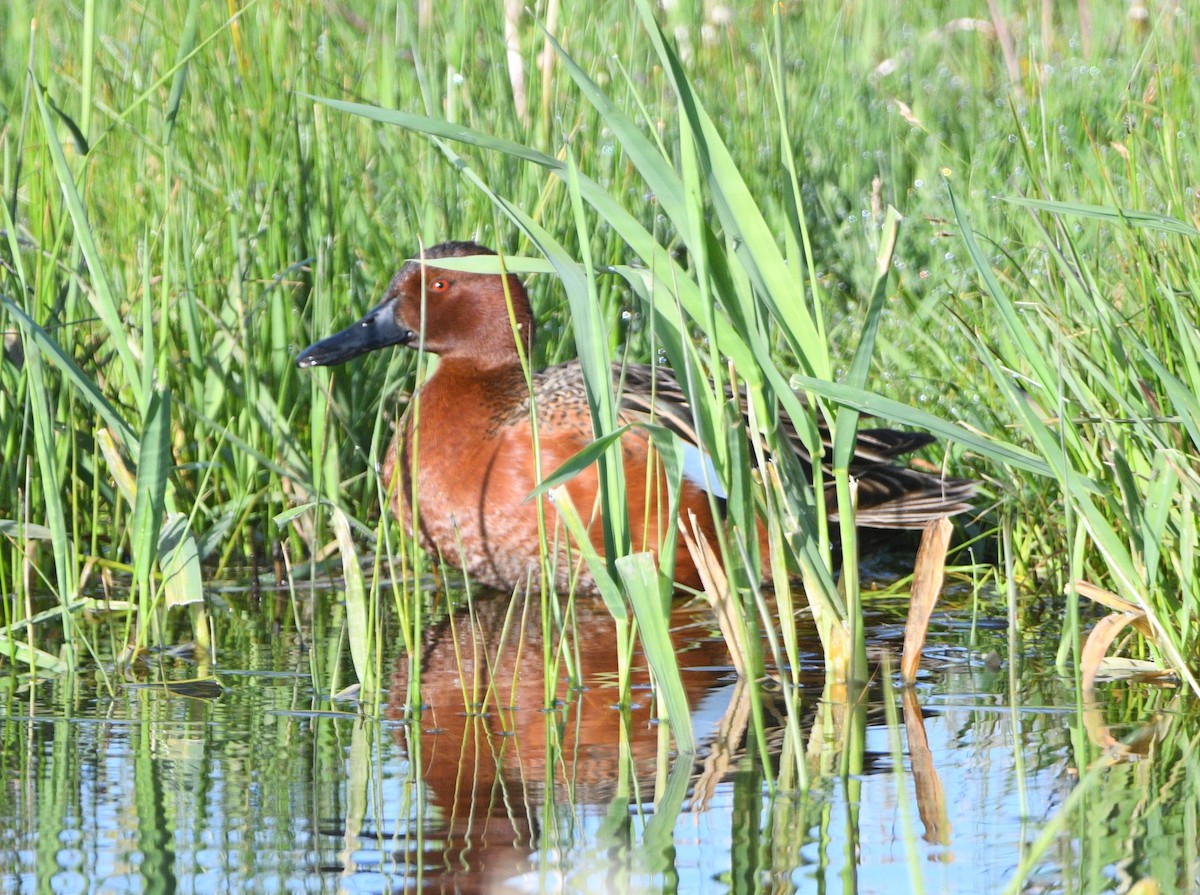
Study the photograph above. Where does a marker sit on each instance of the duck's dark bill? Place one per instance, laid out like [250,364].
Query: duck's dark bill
[378,329]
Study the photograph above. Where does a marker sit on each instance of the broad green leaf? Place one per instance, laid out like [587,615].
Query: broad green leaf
[577,464]
[609,591]
[21,652]
[358,610]
[154,466]
[179,562]
[644,587]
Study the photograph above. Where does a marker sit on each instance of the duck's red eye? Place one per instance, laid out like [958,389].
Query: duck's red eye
[439,285]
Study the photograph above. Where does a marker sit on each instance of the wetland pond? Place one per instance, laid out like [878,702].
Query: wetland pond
[988,776]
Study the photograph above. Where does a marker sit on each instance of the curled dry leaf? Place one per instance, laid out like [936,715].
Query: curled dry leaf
[1104,597]
[1094,663]
[1099,639]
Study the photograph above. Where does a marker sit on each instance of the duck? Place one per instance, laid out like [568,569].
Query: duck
[465,445]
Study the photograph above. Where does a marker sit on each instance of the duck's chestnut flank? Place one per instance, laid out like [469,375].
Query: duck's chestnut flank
[476,462]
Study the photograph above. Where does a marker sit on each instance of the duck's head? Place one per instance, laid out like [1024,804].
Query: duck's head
[453,313]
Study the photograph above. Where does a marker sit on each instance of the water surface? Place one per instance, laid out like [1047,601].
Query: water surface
[271,787]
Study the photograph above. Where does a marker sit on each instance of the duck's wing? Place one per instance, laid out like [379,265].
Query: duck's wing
[653,394]
[889,495]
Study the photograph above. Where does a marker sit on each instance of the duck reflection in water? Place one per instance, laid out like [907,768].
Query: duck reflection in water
[510,789]
[497,769]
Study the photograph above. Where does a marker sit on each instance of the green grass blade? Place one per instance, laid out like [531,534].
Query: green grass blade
[844,436]
[179,562]
[667,270]
[860,366]
[610,592]
[45,448]
[896,412]
[644,587]
[592,343]
[578,463]
[741,216]
[1044,375]
[101,296]
[88,390]
[657,170]
[1109,214]
[187,43]
[153,468]
[445,130]
[358,607]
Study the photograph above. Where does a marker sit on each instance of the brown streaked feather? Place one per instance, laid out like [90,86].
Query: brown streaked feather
[890,496]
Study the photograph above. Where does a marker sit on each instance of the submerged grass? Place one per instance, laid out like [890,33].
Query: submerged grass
[181,215]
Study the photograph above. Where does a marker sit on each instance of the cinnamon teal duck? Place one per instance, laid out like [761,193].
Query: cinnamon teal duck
[476,463]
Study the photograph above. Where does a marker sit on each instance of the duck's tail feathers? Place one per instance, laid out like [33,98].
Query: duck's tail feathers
[894,497]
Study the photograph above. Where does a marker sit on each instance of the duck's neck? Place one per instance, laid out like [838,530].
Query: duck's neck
[468,373]
[459,388]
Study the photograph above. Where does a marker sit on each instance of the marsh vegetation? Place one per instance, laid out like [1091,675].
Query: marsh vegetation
[983,228]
